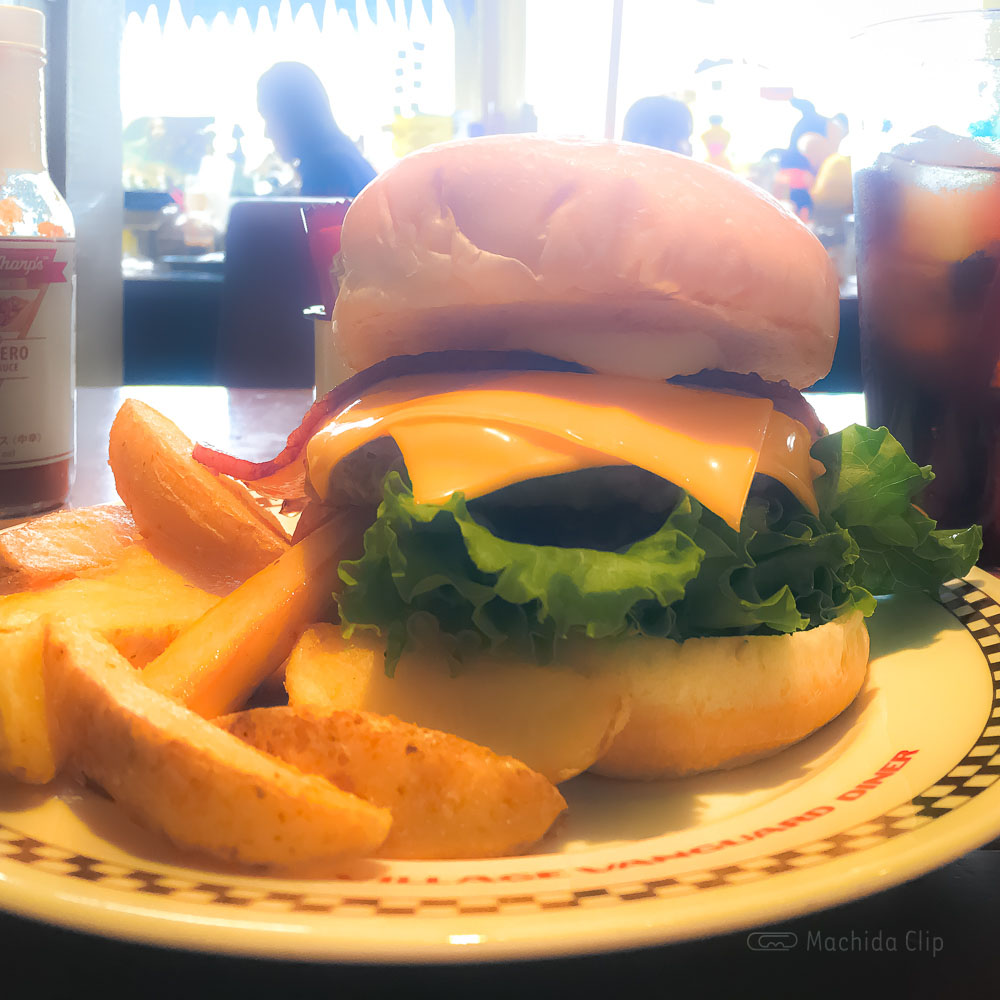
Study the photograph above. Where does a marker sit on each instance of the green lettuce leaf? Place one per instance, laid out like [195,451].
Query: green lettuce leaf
[869,488]
[421,559]
[781,573]
[436,567]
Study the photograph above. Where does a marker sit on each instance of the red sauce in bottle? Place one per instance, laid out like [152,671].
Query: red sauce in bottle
[41,487]
[37,348]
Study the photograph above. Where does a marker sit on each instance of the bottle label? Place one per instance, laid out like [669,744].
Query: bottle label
[37,363]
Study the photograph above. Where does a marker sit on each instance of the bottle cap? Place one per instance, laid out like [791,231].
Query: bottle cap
[22,26]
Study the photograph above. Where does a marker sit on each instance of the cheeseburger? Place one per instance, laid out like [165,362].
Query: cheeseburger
[588,474]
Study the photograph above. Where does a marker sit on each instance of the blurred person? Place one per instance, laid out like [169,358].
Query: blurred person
[764,173]
[813,140]
[716,140]
[275,177]
[299,122]
[818,147]
[664,122]
[811,121]
[832,191]
[795,178]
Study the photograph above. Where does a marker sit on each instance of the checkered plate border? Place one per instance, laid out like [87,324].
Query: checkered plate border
[978,770]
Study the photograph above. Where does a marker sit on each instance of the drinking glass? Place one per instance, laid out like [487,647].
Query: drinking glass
[927,204]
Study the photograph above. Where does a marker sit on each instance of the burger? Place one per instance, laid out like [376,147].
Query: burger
[585,471]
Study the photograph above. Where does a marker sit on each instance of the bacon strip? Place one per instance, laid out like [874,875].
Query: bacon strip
[284,476]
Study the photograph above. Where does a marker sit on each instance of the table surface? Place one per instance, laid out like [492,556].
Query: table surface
[955,903]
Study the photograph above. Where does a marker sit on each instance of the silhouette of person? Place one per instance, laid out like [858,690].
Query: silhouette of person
[807,148]
[296,111]
[797,174]
[716,140]
[811,121]
[660,121]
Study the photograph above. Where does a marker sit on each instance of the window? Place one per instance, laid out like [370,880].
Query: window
[189,90]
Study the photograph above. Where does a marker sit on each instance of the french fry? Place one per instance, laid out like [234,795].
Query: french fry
[63,544]
[449,798]
[555,719]
[175,772]
[30,750]
[180,506]
[217,662]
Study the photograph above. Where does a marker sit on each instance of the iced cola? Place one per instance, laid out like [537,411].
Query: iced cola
[929,294]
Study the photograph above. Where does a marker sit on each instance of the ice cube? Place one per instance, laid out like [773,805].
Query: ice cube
[937,147]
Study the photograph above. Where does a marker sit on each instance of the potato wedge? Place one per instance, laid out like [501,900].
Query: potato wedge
[449,798]
[249,501]
[175,772]
[179,505]
[63,544]
[137,604]
[30,750]
[555,719]
[216,663]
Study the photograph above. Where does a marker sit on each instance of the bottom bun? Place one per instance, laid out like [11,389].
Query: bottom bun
[707,704]
[629,708]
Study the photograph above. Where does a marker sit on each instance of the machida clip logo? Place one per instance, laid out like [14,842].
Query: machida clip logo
[772,940]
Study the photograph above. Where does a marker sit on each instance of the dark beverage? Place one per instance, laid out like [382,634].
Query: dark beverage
[929,297]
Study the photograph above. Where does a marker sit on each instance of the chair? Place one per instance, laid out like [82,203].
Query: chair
[265,341]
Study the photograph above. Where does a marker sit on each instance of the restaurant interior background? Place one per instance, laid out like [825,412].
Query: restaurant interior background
[154,132]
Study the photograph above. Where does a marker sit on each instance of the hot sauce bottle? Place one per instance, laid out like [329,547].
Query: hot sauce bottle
[37,286]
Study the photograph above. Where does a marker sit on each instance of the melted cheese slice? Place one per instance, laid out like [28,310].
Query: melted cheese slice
[478,433]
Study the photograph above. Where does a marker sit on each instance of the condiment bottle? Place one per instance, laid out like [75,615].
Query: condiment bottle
[37,286]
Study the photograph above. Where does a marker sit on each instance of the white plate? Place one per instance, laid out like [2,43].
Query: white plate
[905,780]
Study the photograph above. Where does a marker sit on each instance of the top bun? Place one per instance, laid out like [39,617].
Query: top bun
[625,258]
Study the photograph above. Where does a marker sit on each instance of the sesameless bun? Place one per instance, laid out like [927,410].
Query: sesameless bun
[628,708]
[721,702]
[625,258]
